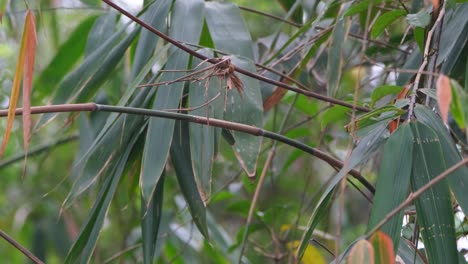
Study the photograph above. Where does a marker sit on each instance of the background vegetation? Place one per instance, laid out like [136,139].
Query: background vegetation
[353,109]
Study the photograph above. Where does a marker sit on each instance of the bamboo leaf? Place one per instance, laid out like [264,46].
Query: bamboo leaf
[65,58]
[434,207]
[25,60]
[151,218]
[186,26]
[363,151]
[30,54]
[383,248]
[362,252]
[393,182]
[334,57]
[385,20]
[457,180]
[180,154]
[230,33]
[83,247]
[384,90]
[204,139]
[444,96]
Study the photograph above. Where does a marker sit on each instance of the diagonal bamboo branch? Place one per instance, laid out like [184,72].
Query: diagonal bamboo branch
[237,69]
[252,130]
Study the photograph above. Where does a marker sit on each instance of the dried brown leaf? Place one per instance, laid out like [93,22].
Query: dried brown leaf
[444,96]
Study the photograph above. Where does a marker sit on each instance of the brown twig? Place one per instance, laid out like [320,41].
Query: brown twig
[20,248]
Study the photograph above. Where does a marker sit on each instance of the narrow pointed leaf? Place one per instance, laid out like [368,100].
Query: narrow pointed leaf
[203,139]
[362,252]
[3,7]
[230,33]
[151,218]
[246,110]
[186,26]
[180,154]
[385,20]
[434,207]
[393,182]
[66,57]
[155,16]
[457,180]
[15,89]
[383,248]
[334,57]
[81,84]
[30,55]
[363,152]
[83,247]
[100,32]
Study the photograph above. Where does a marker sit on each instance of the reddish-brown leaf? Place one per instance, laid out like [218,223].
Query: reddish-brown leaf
[362,252]
[30,53]
[383,248]
[444,96]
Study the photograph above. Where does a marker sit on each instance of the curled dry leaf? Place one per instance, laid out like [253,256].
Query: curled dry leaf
[444,96]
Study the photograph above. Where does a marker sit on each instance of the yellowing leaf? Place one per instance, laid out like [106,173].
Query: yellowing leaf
[362,252]
[25,59]
[311,254]
[444,96]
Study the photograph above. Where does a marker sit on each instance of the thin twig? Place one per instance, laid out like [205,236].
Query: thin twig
[245,8]
[424,63]
[416,194]
[237,69]
[18,246]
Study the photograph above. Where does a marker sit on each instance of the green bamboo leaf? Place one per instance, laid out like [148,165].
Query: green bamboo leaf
[393,182]
[288,4]
[409,253]
[81,84]
[65,58]
[459,105]
[246,110]
[457,180]
[101,31]
[203,139]
[334,57]
[384,90]
[155,16]
[363,152]
[420,19]
[186,25]
[434,207]
[362,6]
[83,247]
[230,33]
[103,156]
[151,218]
[180,154]
[385,20]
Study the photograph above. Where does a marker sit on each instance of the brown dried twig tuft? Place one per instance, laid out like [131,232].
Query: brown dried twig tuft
[223,69]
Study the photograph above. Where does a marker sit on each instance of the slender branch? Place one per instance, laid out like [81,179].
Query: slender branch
[425,60]
[252,130]
[20,248]
[245,8]
[237,69]
[416,194]
[37,150]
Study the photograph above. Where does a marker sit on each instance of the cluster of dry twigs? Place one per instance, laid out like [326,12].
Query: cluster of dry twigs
[222,68]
